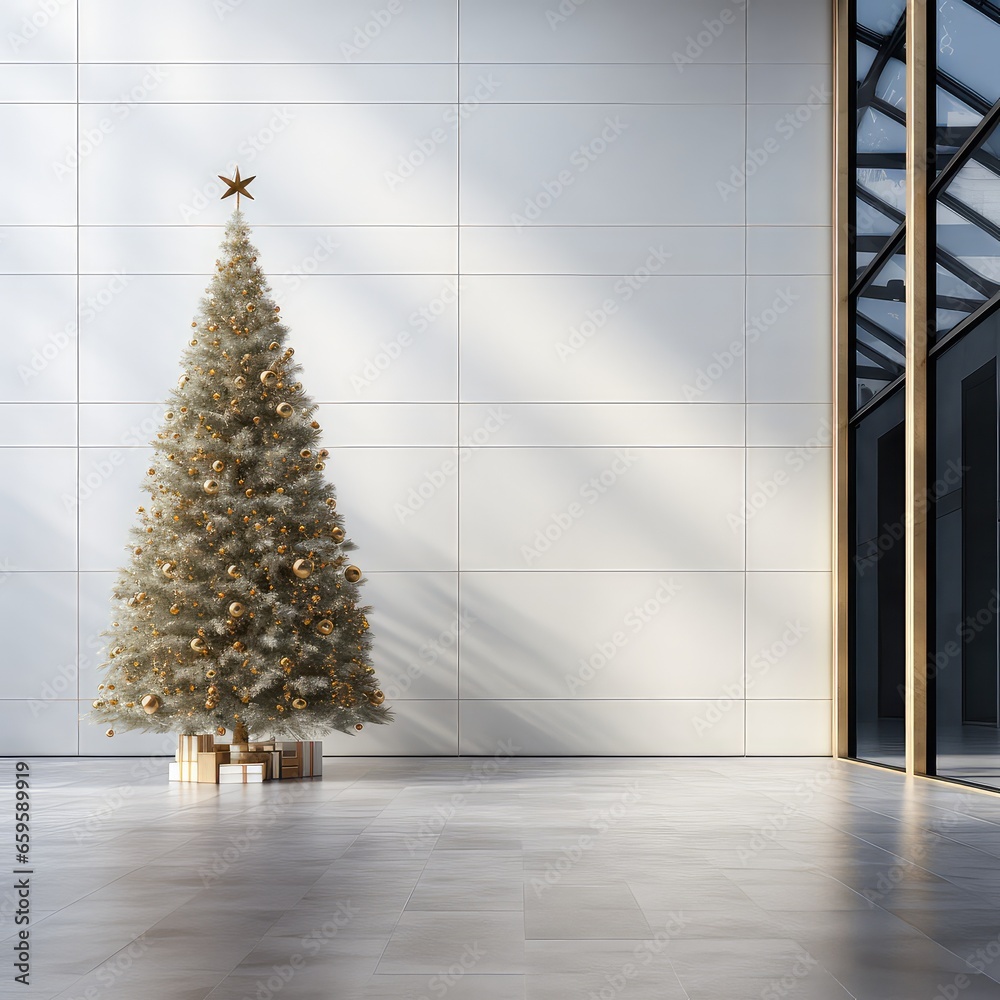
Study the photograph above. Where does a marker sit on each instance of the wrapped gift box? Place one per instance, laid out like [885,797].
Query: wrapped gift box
[188,747]
[301,758]
[242,774]
[184,770]
[208,765]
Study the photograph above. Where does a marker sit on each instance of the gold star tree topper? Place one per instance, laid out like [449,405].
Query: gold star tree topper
[237,186]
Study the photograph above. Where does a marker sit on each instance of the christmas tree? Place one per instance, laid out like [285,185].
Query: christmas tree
[239,608]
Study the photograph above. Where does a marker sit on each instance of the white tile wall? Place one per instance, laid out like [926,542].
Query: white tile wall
[501,276]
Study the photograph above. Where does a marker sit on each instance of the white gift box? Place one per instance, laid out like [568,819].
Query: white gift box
[242,774]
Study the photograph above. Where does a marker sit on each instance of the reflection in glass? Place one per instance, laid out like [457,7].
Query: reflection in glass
[880,332]
[880,15]
[878,630]
[968,42]
[965,667]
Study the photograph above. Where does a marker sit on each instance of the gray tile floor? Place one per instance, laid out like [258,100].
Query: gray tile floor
[534,879]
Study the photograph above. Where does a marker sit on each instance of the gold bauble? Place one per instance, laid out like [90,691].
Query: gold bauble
[325,627]
[285,661]
[110,733]
[209,674]
[233,571]
[302,568]
[218,465]
[284,410]
[315,425]
[211,486]
[220,731]
[150,704]
[249,493]
[358,726]
[169,415]
[97,703]
[239,381]
[273,346]
[168,569]
[331,503]
[236,609]
[267,377]
[137,551]
[376,697]
[183,380]
[337,534]
[175,609]
[352,574]
[250,307]
[323,453]
[299,703]
[198,644]
[319,466]
[305,453]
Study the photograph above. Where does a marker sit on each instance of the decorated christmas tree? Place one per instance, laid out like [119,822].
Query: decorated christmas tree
[239,607]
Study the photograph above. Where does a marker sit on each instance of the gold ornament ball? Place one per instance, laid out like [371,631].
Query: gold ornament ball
[198,644]
[209,674]
[218,465]
[110,733]
[337,534]
[169,415]
[267,377]
[331,503]
[97,703]
[150,704]
[358,726]
[249,493]
[175,609]
[236,609]
[302,568]
[285,661]
[325,627]
[284,410]
[299,703]
[273,346]
[319,466]
[211,486]
[168,569]
[233,571]
[220,731]
[352,574]
[376,697]
[239,381]
[183,380]
[250,307]
[323,453]
[305,453]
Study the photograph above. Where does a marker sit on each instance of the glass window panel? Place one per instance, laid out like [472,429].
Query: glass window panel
[968,43]
[971,244]
[888,185]
[865,58]
[870,221]
[956,300]
[891,86]
[883,298]
[978,187]
[878,133]
[880,15]
[953,112]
